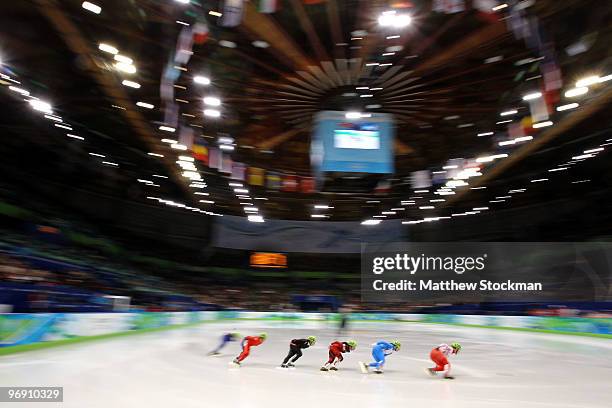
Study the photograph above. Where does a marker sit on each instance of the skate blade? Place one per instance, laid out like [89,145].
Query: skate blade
[363,367]
[231,364]
[429,373]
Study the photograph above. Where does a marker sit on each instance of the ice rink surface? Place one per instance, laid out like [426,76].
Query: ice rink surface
[496,368]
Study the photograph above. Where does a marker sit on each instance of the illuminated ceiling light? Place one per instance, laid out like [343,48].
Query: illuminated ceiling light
[178,146]
[392,37]
[212,101]
[241,190]
[509,112]
[582,157]
[590,80]
[260,44]
[131,84]
[97,155]
[111,163]
[227,44]
[387,64]
[465,125]
[426,207]
[500,7]
[201,80]
[235,185]
[255,218]
[486,159]
[226,147]
[145,105]
[387,54]
[371,64]
[215,13]
[558,169]
[318,216]
[366,96]
[94,8]
[213,113]
[605,78]
[40,106]
[352,115]
[19,90]
[394,20]
[362,87]
[450,167]
[75,136]
[580,181]
[155,154]
[167,129]
[597,149]
[108,48]
[322,207]
[497,201]
[451,117]
[170,141]
[123,59]
[63,126]
[532,96]
[539,180]
[503,121]
[206,201]
[485,134]
[127,68]
[376,89]
[523,139]
[477,188]
[541,124]
[567,107]
[576,92]
[54,118]
[182,23]
[370,222]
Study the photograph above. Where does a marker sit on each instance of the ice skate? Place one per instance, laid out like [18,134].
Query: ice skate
[290,365]
[333,368]
[430,371]
[324,368]
[363,367]
[449,377]
[378,370]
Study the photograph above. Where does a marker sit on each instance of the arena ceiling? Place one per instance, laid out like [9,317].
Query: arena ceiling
[446,78]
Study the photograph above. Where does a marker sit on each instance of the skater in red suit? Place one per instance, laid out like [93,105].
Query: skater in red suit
[439,356]
[335,353]
[247,343]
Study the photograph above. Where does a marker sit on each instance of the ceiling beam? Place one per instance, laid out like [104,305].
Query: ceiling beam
[108,84]
[311,33]
[274,141]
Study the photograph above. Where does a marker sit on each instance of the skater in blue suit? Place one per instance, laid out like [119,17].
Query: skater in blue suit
[380,350]
[226,338]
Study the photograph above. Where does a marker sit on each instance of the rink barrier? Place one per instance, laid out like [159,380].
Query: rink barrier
[24,332]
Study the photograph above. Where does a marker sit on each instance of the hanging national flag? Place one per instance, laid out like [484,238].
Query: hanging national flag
[421,179]
[200,151]
[552,76]
[515,129]
[214,158]
[383,187]
[307,185]
[448,6]
[226,163]
[200,32]
[186,137]
[238,171]
[539,109]
[256,176]
[273,180]
[268,6]
[289,183]
[232,13]
[526,123]
[184,46]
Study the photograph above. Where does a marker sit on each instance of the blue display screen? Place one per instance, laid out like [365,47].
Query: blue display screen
[362,145]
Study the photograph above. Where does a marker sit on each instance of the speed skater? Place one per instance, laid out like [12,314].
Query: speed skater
[226,338]
[295,350]
[380,350]
[439,356]
[335,353]
[247,343]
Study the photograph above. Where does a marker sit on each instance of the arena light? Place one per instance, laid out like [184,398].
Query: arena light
[539,180]
[236,185]
[19,90]
[352,115]
[178,146]
[212,101]
[322,207]
[499,7]
[576,92]
[155,154]
[201,80]
[145,105]
[567,107]
[213,113]
[127,68]
[123,59]
[255,218]
[241,190]
[108,48]
[167,129]
[370,222]
[509,112]
[226,147]
[94,8]
[392,19]
[131,84]
[75,136]
[532,96]
[41,106]
[542,124]
[587,81]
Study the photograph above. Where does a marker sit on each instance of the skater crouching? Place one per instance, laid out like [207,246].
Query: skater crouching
[247,343]
[380,350]
[439,356]
[335,353]
[295,350]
